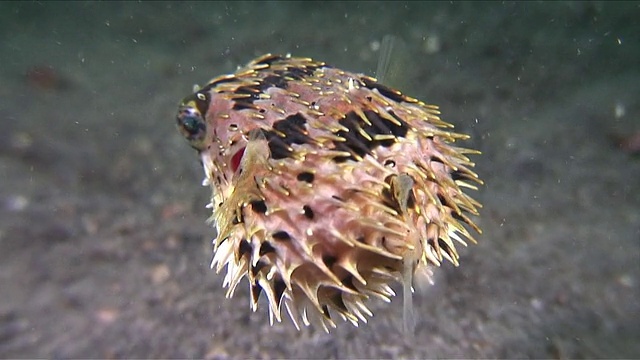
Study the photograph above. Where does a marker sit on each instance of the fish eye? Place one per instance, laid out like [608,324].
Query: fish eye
[192,126]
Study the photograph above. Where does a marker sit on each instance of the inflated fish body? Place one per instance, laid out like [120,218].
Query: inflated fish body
[327,186]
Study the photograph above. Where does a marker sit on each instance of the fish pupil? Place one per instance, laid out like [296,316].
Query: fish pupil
[192,125]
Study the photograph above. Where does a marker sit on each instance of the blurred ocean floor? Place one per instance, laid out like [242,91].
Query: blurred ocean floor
[104,249]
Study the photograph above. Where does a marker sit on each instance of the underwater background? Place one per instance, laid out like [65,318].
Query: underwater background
[104,248]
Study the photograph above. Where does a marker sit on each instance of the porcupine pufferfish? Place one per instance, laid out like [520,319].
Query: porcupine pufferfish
[327,186]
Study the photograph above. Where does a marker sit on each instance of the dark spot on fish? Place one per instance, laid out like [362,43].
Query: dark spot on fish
[279,287]
[338,302]
[436,159]
[293,128]
[398,130]
[443,201]
[223,240]
[329,260]
[274,80]
[355,142]
[458,217]
[248,94]
[278,148]
[308,213]
[325,312]
[341,159]
[266,248]
[270,59]
[390,163]
[463,218]
[358,144]
[251,93]
[259,266]
[306,177]
[241,105]
[459,175]
[348,282]
[259,206]
[256,289]
[216,82]
[385,91]
[297,73]
[443,246]
[281,236]
[244,248]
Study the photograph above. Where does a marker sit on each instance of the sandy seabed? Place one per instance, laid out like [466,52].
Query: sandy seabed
[104,250]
